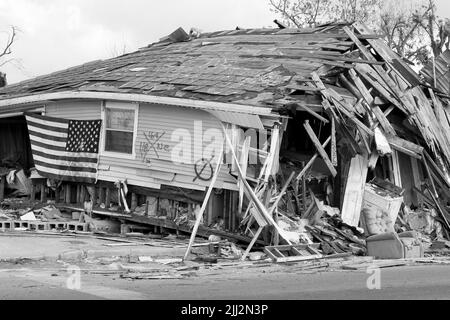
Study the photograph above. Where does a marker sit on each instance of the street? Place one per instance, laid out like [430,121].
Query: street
[409,282]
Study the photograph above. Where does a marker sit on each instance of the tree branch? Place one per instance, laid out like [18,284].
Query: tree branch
[9,42]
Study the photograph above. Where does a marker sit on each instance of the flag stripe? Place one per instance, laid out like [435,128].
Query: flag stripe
[62,158]
[48,142]
[43,135]
[49,131]
[63,153]
[56,121]
[54,174]
[48,125]
[62,163]
[65,168]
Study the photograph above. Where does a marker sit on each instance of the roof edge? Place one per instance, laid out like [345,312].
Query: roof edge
[143,98]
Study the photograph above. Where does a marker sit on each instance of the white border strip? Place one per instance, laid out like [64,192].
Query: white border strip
[143,98]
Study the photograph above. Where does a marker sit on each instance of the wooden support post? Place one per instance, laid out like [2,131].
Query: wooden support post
[305,206]
[2,187]
[334,160]
[133,201]
[209,212]
[43,194]
[252,243]
[319,148]
[94,197]
[244,165]
[77,193]
[67,194]
[101,195]
[416,178]
[311,162]
[33,192]
[108,198]
[82,194]
[354,190]
[205,202]
[396,169]
[57,194]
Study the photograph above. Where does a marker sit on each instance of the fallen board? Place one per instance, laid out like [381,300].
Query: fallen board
[291,253]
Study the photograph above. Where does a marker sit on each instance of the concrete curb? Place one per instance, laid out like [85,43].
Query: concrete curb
[83,254]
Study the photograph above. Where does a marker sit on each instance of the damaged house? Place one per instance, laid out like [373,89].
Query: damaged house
[258,133]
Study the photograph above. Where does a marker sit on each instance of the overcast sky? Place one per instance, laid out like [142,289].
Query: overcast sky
[57,34]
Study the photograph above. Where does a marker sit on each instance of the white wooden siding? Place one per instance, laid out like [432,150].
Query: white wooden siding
[151,170]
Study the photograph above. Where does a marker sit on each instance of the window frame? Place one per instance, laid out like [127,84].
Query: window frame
[124,106]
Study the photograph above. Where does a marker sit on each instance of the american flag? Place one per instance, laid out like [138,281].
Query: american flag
[65,149]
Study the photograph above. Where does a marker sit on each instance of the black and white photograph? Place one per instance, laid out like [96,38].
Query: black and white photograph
[222,155]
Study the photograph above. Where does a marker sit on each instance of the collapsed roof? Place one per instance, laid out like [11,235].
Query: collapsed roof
[270,68]
[251,66]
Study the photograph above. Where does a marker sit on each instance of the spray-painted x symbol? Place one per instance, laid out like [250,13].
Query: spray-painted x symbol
[152,144]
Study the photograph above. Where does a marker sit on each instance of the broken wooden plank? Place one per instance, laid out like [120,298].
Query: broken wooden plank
[319,148]
[436,168]
[244,165]
[406,147]
[205,203]
[354,190]
[311,112]
[334,159]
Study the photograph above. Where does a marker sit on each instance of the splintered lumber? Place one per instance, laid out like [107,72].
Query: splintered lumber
[396,169]
[205,203]
[406,147]
[282,192]
[383,121]
[311,112]
[311,162]
[382,143]
[251,194]
[244,164]
[379,69]
[319,148]
[292,253]
[352,117]
[361,87]
[354,190]
[441,210]
[334,159]
[377,86]
[436,168]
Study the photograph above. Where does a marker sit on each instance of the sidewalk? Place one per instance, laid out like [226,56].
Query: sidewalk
[52,248]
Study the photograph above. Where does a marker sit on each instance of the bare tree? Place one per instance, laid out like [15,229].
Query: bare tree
[5,53]
[437,29]
[411,28]
[309,13]
[118,50]
[7,47]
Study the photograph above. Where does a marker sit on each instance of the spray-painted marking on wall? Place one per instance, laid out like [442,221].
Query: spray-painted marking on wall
[203,169]
[152,145]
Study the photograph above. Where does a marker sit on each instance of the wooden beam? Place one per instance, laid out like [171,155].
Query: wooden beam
[205,203]
[311,161]
[244,165]
[311,112]
[319,148]
[406,147]
[354,190]
[334,159]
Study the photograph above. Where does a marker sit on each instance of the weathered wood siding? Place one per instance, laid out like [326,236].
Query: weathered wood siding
[152,168]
